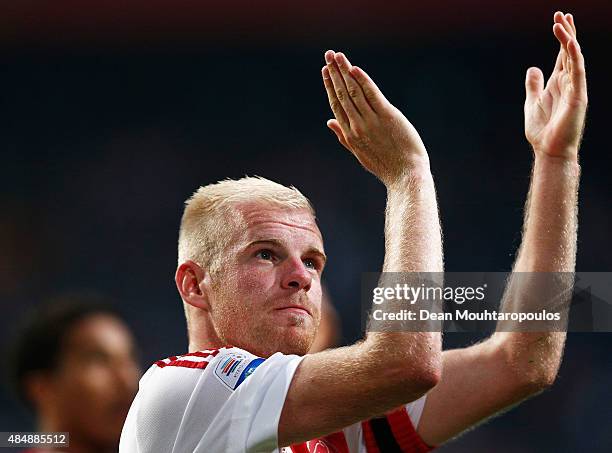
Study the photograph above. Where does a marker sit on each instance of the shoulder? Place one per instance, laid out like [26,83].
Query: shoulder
[194,360]
[212,370]
[218,391]
[171,383]
[230,366]
[173,393]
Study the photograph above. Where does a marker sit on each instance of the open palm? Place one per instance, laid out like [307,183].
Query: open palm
[554,115]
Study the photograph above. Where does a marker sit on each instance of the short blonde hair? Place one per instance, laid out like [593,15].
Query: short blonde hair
[210,219]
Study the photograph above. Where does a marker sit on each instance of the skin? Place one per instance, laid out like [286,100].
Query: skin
[275,268]
[485,379]
[464,386]
[90,393]
[555,113]
[392,368]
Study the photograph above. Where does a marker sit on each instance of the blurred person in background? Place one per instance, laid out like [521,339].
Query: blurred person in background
[249,274]
[73,363]
[330,330]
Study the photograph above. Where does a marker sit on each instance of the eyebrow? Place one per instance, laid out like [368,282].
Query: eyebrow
[311,250]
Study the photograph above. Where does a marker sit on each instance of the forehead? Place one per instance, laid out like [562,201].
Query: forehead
[99,331]
[262,221]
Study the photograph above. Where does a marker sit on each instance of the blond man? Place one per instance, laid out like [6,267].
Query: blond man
[250,263]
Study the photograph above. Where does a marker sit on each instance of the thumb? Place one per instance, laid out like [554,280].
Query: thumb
[335,127]
[534,84]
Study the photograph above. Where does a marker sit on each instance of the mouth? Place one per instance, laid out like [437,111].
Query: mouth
[297,309]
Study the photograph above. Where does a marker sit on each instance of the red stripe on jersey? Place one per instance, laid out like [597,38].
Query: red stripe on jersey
[300,448]
[213,352]
[404,432]
[332,443]
[368,438]
[183,363]
[174,360]
[337,442]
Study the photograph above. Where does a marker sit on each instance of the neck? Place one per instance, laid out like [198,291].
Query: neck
[202,334]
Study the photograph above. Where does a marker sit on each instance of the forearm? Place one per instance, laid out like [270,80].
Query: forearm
[413,244]
[413,240]
[550,227]
[548,248]
[386,144]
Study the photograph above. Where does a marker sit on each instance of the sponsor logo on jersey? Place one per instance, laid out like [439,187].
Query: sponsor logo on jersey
[318,446]
[234,367]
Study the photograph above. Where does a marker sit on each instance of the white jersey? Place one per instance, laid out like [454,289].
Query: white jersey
[229,401]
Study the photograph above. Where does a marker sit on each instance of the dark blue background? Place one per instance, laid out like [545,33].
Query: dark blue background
[103,139]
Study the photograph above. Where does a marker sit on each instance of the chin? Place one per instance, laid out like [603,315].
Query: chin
[296,340]
[288,339]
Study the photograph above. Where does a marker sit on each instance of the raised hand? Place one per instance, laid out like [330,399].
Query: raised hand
[554,116]
[376,132]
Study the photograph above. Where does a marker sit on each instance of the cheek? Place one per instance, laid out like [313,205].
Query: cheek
[88,390]
[316,298]
[94,403]
[254,285]
[250,307]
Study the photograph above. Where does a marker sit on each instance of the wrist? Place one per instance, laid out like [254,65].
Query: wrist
[567,154]
[547,162]
[415,170]
[410,178]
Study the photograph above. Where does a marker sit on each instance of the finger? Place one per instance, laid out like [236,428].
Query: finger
[560,57]
[560,60]
[334,103]
[578,73]
[354,89]
[335,127]
[534,84]
[340,89]
[566,25]
[373,95]
[570,20]
[561,34]
[564,38]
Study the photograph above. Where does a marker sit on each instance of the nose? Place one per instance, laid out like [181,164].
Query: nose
[297,276]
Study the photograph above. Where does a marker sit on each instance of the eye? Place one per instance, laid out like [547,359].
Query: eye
[265,254]
[95,357]
[310,263]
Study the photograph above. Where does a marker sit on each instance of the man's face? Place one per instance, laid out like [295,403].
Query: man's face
[267,296]
[96,379]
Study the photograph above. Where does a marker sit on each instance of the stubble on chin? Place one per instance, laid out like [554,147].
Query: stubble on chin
[294,338]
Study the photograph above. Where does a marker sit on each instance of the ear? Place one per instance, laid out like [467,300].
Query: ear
[193,284]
